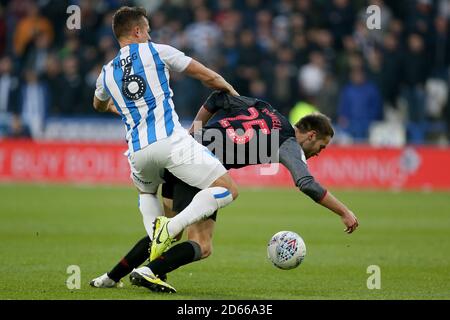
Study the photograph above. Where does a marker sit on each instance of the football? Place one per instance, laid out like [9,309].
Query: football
[286,250]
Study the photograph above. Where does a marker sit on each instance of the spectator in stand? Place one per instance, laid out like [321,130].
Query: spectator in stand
[437,84]
[283,87]
[258,89]
[28,27]
[360,104]
[2,31]
[420,19]
[90,20]
[230,53]
[447,118]
[249,61]
[265,28]
[374,68]
[343,60]
[340,19]
[35,99]
[390,69]
[301,109]
[203,35]
[55,12]
[443,7]
[229,20]
[72,45]
[440,48]
[301,49]
[312,12]
[282,80]
[71,96]
[9,93]
[105,29]
[9,86]
[54,81]
[249,8]
[17,129]
[414,73]
[193,94]
[311,76]
[327,97]
[89,84]
[363,39]
[35,56]
[282,43]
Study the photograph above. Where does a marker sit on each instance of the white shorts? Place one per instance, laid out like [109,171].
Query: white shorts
[184,157]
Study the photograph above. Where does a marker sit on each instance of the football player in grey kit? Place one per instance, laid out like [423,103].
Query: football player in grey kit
[258,121]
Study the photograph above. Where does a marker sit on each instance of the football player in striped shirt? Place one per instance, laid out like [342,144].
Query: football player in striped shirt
[135,84]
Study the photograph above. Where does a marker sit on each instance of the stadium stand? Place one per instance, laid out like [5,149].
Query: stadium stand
[285,51]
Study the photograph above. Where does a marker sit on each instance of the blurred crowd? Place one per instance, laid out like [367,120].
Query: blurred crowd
[300,55]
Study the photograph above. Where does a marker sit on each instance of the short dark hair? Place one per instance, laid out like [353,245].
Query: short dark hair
[318,122]
[125,18]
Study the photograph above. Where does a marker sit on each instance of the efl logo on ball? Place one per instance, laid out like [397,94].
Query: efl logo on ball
[286,250]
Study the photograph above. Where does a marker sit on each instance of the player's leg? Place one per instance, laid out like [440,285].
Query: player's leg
[202,233]
[169,213]
[221,192]
[198,246]
[195,165]
[150,208]
[134,258]
[146,174]
[147,168]
[140,251]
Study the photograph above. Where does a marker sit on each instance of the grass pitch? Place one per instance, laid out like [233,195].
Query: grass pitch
[46,228]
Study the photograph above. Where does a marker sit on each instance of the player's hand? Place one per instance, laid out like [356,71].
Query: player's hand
[350,221]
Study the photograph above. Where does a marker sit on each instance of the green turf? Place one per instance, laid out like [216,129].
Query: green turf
[46,228]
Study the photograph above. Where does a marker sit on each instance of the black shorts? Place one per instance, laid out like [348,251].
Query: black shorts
[180,192]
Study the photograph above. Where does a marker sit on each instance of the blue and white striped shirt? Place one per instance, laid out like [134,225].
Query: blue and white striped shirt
[137,80]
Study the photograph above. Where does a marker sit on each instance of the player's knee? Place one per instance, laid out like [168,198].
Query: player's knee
[222,196]
[233,190]
[227,182]
[232,187]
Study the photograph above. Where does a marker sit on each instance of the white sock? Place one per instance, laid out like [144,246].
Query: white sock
[150,208]
[202,205]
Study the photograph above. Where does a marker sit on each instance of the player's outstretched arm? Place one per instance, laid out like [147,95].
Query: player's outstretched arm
[348,218]
[291,157]
[209,77]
